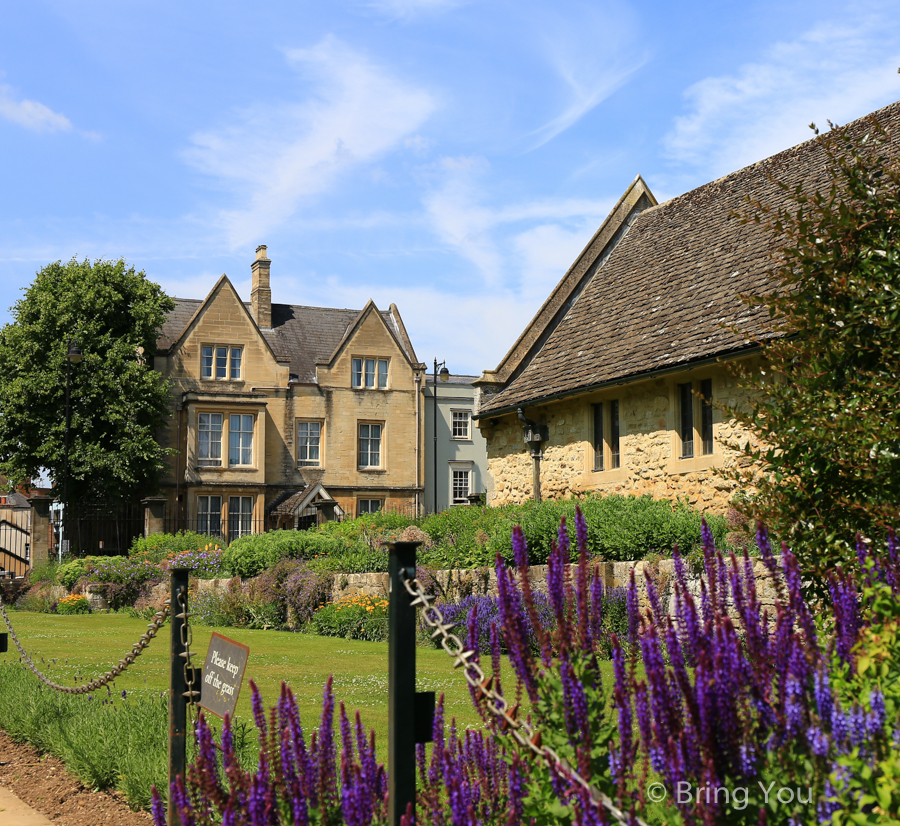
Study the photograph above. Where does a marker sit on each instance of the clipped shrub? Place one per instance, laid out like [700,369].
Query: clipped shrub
[250,555]
[70,572]
[354,618]
[160,546]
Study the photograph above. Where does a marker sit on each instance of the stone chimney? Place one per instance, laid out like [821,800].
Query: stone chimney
[260,292]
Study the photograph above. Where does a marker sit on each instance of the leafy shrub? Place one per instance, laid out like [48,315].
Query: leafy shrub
[249,555]
[123,577]
[43,572]
[70,572]
[354,618]
[241,605]
[619,528]
[205,563]
[37,598]
[159,546]
[74,604]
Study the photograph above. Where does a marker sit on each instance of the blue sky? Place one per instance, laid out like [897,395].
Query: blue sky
[453,157]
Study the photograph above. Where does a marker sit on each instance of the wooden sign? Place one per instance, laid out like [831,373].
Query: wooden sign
[223,674]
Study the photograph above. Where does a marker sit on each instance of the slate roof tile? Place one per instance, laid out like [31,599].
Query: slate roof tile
[304,335]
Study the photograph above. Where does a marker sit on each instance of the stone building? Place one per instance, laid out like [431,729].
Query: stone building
[281,413]
[621,371]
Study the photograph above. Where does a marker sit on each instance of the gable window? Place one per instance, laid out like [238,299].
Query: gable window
[460,484]
[686,398]
[209,431]
[209,515]
[367,506]
[240,516]
[460,424]
[220,361]
[309,439]
[369,373]
[606,436]
[240,439]
[369,445]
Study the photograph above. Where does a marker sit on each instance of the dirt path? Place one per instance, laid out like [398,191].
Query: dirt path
[44,784]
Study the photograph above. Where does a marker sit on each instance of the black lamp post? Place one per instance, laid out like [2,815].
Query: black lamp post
[73,357]
[444,376]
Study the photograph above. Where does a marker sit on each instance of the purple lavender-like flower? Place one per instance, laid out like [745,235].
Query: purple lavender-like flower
[633,611]
[259,715]
[157,810]
[818,741]
[878,715]
[577,722]
[327,768]
[520,548]
[562,538]
[556,583]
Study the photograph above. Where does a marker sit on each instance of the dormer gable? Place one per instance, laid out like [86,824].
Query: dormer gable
[223,322]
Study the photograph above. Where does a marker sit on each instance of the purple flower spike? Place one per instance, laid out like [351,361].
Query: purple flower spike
[633,611]
[520,548]
[156,808]
[563,540]
[581,530]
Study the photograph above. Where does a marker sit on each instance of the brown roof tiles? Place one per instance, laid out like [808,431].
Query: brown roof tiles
[664,296]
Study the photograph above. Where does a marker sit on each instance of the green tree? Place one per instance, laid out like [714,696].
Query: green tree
[827,413]
[118,402]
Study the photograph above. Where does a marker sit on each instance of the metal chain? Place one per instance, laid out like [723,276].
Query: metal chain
[159,619]
[187,637]
[520,730]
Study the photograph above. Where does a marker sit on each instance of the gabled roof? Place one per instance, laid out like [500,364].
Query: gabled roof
[173,336]
[635,199]
[299,334]
[389,320]
[663,296]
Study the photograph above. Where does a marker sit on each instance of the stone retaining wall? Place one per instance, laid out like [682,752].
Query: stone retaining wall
[458,583]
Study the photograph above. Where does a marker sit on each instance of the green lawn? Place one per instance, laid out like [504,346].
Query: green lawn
[87,645]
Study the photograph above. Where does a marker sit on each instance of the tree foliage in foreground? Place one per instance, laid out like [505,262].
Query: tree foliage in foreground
[828,413]
[117,400]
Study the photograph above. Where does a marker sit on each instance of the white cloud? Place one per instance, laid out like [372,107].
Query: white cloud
[276,155]
[593,51]
[833,71]
[31,114]
[521,244]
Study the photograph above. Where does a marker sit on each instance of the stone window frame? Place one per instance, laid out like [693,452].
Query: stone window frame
[231,374]
[611,465]
[369,500]
[225,443]
[320,463]
[363,373]
[382,452]
[700,460]
[245,518]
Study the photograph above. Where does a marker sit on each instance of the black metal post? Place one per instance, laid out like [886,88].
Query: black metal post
[177,689]
[401,683]
[434,411]
[64,524]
